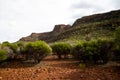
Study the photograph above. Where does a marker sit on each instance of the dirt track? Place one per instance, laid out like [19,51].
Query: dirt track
[52,69]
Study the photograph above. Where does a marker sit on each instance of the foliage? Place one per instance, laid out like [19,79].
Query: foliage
[30,50]
[37,50]
[6,43]
[77,50]
[3,55]
[82,65]
[93,51]
[61,48]
[117,35]
[105,49]
[116,47]
[21,47]
[12,46]
[20,44]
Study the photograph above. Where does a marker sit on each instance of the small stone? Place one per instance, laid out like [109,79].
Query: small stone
[0,78]
[98,79]
[38,70]
[7,69]
[44,69]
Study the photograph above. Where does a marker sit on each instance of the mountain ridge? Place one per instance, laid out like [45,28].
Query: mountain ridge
[88,27]
[44,36]
[98,17]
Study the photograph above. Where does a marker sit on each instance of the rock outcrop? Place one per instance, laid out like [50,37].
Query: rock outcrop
[98,17]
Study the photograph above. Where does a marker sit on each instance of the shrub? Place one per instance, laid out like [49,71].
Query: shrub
[4,44]
[93,51]
[37,50]
[12,46]
[78,51]
[10,54]
[117,36]
[116,49]
[3,55]
[105,50]
[61,48]
[116,53]
[21,46]
[86,51]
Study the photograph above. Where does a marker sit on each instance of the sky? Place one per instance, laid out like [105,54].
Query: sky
[20,18]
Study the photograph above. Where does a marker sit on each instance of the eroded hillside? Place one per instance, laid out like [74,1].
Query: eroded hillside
[86,28]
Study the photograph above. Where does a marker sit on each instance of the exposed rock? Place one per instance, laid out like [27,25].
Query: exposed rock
[98,17]
[32,37]
[60,28]
[0,78]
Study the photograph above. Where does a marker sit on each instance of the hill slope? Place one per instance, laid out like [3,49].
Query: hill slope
[92,27]
[86,28]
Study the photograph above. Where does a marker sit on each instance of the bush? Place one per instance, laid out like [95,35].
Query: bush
[12,46]
[106,50]
[116,49]
[9,52]
[37,50]
[117,36]
[61,48]
[78,51]
[6,43]
[21,46]
[3,55]
[93,51]
[86,51]
[116,53]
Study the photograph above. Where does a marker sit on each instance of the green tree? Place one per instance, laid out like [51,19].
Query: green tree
[61,48]
[37,50]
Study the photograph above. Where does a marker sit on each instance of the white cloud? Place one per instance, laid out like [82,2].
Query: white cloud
[88,7]
[19,18]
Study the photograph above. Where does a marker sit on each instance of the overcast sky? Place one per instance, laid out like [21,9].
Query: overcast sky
[19,18]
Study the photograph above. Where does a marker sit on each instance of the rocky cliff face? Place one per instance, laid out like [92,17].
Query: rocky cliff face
[98,17]
[61,28]
[47,35]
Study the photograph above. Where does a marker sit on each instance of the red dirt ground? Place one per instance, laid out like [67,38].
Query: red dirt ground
[52,69]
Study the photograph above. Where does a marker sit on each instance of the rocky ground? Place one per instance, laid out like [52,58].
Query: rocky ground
[52,69]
